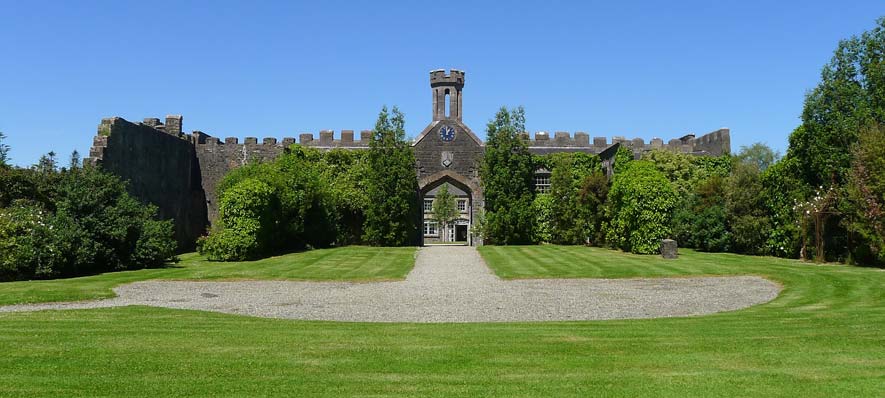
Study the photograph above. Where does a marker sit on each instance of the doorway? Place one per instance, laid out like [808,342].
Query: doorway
[460,233]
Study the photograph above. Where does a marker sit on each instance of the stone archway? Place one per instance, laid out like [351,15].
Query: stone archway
[469,209]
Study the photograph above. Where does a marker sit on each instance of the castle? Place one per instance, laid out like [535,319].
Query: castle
[179,172]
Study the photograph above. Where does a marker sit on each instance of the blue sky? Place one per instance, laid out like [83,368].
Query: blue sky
[275,69]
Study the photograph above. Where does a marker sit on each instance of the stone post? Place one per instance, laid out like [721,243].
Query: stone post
[669,248]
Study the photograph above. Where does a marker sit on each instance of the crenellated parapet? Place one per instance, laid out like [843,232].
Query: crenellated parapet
[217,157]
[715,143]
[325,140]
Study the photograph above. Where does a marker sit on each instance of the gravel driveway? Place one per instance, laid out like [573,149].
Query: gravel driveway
[448,284]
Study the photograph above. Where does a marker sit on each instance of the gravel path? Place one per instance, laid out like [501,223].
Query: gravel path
[448,284]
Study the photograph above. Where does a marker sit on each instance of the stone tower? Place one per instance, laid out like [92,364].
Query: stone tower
[446,93]
[448,152]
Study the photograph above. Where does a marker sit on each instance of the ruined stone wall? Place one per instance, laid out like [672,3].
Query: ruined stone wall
[160,167]
[716,143]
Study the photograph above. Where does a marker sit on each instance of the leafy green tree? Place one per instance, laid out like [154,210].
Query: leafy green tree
[865,207]
[346,174]
[744,206]
[641,201]
[78,222]
[4,151]
[700,221]
[850,96]
[571,215]
[783,190]
[759,154]
[592,198]
[392,212]
[507,172]
[444,209]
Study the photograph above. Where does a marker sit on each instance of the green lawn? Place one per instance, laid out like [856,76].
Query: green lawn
[823,337]
[356,263]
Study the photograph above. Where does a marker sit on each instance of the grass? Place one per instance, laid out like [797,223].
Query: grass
[353,263]
[822,337]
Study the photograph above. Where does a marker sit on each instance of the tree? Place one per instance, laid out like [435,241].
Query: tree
[47,163]
[759,154]
[865,207]
[592,197]
[700,221]
[74,161]
[641,201]
[571,215]
[77,222]
[392,191]
[346,174]
[4,151]
[850,96]
[507,172]
[444,209]
[783,191]
[744,206]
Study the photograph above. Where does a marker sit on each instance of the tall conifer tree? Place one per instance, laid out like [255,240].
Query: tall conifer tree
[507,172]
[392,212]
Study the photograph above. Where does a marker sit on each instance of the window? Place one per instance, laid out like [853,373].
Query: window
[542,183]
[428,205]
[430,228]
[462,205]
[447,104]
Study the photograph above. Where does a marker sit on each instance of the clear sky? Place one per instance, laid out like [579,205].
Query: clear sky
[275,69]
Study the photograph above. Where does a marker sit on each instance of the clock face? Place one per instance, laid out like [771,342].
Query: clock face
[447,133]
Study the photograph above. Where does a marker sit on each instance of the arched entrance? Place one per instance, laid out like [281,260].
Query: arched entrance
[468,199]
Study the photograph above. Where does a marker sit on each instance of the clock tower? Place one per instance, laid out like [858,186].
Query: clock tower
[446,93]
[448,153]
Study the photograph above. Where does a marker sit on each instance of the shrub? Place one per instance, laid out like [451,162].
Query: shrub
[641,202]
[77,222]
[25,242]
[543,209]
[247,223]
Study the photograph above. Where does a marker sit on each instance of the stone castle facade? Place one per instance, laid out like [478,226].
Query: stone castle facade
[179,172]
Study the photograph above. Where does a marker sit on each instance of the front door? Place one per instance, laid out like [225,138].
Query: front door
[460,233]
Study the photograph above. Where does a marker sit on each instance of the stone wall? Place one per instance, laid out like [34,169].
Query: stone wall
[216,157]
[180,172]
[715,143]
[160,168]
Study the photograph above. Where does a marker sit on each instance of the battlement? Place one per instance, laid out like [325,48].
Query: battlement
[326,140]
[715,143]
[439,77]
